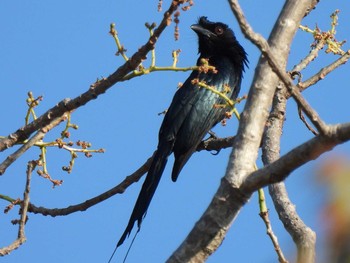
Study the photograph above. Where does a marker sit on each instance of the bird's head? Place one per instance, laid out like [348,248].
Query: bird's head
[217,39]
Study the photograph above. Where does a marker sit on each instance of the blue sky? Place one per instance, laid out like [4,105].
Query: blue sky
[58,48]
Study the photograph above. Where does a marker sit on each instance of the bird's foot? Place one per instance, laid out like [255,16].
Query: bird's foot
[212,136]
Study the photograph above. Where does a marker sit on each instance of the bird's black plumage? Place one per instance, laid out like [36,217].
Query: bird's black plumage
[192,113]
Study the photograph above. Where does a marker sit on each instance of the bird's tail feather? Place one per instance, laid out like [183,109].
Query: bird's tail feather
[147,191]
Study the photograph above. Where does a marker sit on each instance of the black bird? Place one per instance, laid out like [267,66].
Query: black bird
[192,113]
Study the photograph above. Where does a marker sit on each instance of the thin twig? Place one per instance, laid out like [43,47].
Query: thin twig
[118,189]
[273,237]
[21,238]
[309,58]
[302,118]
[37,137]
[324,71]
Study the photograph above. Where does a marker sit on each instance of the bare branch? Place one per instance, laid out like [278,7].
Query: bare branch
[309,58]
[302,118]
[311,7]
[118,189]
[273,237]
[37,137]
[308,151]
[209,145]
[96,89]
[303,236]
[324,71]
[216,144]
[209,231]
[268,53]
[24,208]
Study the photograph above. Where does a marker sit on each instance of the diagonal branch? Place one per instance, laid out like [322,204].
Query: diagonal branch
[37,137]
[309,58]
[96,89]
[118,189]
[324,72]
[308,151]
[267,52]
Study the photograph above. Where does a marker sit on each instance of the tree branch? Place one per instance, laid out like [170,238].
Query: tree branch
[302,235]
[278,68]
[118,189]
[21,238]
[308,151]
[37,137]
[324,71]
[216,144]
[271,141]
[209,145]
[230,198]
[96,89]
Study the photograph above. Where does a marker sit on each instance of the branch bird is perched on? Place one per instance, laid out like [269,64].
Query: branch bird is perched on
[192,113]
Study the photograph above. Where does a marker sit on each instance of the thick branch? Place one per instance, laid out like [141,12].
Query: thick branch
[247,142]
[308,151]
[278,67]
[302,235]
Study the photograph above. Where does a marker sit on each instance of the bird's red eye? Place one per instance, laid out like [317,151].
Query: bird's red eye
[219,30]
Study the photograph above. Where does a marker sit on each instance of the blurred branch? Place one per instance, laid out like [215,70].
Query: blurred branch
[21,238]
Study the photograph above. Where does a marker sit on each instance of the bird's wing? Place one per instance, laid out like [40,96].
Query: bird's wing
[182,103]
[202,117]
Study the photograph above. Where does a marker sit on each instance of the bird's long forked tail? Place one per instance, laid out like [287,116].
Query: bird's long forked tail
[146,194]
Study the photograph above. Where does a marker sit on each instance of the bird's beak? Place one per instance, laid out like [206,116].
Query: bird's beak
[202,31]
